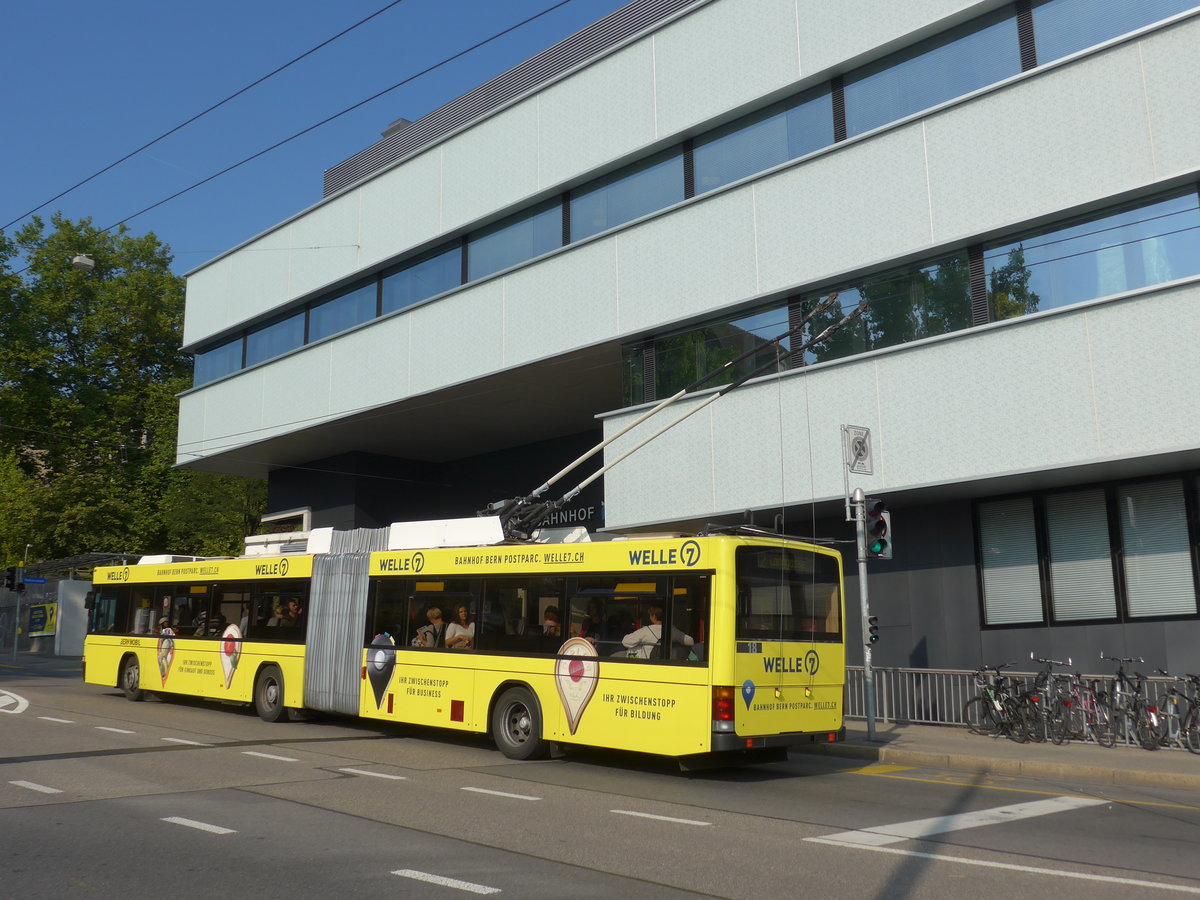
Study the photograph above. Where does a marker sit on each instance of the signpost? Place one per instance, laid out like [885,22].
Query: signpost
[856,453]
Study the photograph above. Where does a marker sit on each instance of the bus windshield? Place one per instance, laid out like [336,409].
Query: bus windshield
[786,594]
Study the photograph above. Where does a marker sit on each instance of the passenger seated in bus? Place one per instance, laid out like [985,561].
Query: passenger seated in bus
[593,628]
[277,618]
[294,612]
[640,644]
[550,622]
[460,634]
[433,634]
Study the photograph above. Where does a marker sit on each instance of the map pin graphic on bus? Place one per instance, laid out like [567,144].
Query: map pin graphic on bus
[748,692]
[231,652]
[381,660]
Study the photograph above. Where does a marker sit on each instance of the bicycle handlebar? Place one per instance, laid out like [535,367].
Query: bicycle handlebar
[1049,662]
[1124,659]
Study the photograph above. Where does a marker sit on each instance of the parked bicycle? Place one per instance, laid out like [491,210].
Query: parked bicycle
[1080,711]
[1179,712]
[1039,702]
[1134,715]
[995,710]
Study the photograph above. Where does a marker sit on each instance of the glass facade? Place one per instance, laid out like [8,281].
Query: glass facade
[941,69]
[350,309]
[627,195]
[514,241]
[275,340]
[217,362]
[1107,254]
[1037,272]
[763,139]
[422,280]
[1067,26]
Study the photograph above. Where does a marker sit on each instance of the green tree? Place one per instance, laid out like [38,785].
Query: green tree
[90,367]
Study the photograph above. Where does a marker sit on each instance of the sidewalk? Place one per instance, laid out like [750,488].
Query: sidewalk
[953,747]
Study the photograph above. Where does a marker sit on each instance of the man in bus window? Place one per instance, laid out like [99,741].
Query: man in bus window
[641,643]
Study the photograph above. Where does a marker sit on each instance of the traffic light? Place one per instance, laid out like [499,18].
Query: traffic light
[878,524]
[10,578]
[872,629]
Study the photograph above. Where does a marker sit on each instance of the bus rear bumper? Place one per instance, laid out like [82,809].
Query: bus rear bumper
[725,742]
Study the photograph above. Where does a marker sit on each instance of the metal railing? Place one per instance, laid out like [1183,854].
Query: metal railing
[936,696]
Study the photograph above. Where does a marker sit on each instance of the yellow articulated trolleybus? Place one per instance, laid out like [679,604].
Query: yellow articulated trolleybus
[729,641]
[680,646]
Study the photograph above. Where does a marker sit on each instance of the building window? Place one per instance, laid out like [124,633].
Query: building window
[1066,26]
[681,359]
[515,240]
[422,280]
[1157,549]
[275,340]
[763,139]
[981,53]
[1118,251]
[217,362]
[350,309]
[903,305]
[1081,573]
[1143,524]
[1008,557]
[626,195]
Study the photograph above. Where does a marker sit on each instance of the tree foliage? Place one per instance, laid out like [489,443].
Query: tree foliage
[90,367]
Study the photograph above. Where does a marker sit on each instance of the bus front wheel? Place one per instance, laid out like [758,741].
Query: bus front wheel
[517,725]
[268,695]
[131,677]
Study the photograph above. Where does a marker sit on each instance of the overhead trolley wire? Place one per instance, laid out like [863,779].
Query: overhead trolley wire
[200,115]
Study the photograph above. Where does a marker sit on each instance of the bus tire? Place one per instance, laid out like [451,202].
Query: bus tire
[517,725]
[131,677]
[268,694]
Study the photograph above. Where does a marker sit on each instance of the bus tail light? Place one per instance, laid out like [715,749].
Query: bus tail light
[723,697]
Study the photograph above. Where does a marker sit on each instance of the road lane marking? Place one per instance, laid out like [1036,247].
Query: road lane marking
[270,756]
[199,826]
[189,743]
[375,774]
[877,770]
[36,787]
[642,815]
[59,721]
[958,779]
[446,882]
[500,793]
[116,730]
[920,828]
[1012,867]
[12,703]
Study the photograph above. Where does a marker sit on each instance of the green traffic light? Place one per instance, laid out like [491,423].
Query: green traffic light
[877,546]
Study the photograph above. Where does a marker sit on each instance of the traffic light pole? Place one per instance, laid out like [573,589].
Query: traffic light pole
[859,504]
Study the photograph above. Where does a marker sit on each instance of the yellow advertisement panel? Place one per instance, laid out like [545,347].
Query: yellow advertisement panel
[43,619]
[606,556]
[788,686]
[214,569]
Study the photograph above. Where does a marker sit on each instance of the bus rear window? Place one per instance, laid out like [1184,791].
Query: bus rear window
[786,594]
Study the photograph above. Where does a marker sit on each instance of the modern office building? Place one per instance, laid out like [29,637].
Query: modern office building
[1010,188]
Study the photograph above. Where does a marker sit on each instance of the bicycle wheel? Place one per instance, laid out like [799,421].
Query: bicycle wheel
[1191,728]
[1102,727]
[1058,722]
[1034,719]
[1147,726]
[980,716]
[1171,713]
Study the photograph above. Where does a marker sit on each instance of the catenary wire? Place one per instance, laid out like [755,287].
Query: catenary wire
[225,171]
[200,115]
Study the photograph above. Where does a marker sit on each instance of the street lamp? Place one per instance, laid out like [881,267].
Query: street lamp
[84,261]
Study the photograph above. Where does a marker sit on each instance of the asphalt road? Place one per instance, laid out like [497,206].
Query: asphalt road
[100,797]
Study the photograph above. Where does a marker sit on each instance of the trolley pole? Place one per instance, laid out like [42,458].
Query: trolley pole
[858,502]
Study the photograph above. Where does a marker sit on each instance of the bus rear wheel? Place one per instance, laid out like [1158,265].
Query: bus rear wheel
[517,725]
[131,677]
[268,695]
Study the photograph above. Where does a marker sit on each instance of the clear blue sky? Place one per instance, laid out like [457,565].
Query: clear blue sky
[90,81]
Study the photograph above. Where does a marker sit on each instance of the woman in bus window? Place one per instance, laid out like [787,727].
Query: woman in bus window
[460,633]
[642,643]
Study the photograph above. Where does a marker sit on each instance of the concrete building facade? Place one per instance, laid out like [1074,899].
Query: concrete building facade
[1011,189]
